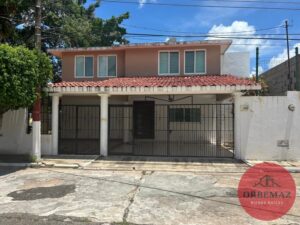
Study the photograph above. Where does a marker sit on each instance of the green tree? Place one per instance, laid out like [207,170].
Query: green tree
[66,23]
[21,72]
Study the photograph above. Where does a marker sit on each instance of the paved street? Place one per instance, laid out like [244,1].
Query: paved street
[51,196]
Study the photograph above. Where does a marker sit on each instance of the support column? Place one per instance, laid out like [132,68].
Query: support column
[238,151]
[104,124]
[55,118]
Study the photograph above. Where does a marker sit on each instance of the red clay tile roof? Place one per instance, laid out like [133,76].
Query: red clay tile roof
[161,81]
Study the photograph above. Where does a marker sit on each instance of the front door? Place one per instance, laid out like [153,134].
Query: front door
[143,119]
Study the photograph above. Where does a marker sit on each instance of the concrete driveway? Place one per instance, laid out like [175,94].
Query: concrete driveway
[78,196]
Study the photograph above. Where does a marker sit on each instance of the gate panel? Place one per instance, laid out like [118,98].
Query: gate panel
[188,130]
[120,139]
[79,130]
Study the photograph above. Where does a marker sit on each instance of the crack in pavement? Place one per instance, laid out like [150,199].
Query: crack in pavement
[133,194]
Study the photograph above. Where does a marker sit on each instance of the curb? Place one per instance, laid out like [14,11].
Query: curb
[288,168]
[20,164]
[62,166]
[40,165]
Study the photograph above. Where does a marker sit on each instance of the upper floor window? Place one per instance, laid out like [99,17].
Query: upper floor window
[168,63]
[195,62]
[84,66]
[107,66]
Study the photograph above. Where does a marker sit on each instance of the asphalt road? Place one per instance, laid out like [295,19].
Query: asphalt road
[92,197]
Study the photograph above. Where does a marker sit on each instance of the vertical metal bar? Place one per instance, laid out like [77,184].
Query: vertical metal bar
[109,127]
[59,126]
[76,128]
[168,130]
[232,135]
[133,130]
[288,54]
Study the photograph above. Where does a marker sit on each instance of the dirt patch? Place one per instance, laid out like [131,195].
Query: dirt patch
[42,192]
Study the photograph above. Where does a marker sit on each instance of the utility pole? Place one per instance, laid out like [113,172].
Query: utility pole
[297,73]
[288,54]
[257,64]
[36,111]
[38,23]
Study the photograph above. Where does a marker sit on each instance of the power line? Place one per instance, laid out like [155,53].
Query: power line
[182,32]
[250,1]
[208,36]
[203,6]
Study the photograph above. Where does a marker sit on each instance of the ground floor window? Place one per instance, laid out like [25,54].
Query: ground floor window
[185,115]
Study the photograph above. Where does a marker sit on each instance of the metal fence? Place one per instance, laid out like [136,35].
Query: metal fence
[79,130]
[148,129]
[203,130]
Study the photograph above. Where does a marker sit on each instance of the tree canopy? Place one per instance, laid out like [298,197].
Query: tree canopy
[65,23]
[21,72]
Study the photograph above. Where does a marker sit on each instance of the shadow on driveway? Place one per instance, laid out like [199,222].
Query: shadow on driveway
[4,170]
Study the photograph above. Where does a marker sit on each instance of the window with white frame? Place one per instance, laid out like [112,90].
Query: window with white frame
[84,66]
[168,63]
[195,62]
[185,115]
[107,66]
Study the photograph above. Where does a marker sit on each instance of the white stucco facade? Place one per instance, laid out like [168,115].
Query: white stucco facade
[14,138]
[263,124]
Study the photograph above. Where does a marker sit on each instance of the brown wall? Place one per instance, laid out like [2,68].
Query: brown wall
[68,64]
[140,62]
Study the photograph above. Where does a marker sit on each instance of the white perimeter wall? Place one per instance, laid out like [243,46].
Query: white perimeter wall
[267,121]
[236,63]
[14,138]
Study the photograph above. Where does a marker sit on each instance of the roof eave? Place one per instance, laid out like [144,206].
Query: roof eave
[225,44]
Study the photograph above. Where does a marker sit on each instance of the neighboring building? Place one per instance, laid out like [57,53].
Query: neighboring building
[237,63]
[153,99]
[277,77]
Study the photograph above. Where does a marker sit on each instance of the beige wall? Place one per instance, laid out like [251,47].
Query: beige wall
[68,64]
[140,62]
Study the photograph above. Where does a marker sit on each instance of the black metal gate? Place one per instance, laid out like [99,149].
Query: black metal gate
[79,130]
[189,130]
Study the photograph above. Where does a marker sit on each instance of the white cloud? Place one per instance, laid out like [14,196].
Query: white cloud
[240,28]
[281,57]
[142,2]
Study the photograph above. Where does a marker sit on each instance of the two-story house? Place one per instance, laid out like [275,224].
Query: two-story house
[153,99]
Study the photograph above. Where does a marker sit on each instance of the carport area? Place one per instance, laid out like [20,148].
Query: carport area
[166,126]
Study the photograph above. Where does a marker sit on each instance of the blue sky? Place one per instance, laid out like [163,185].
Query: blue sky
[205,20]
